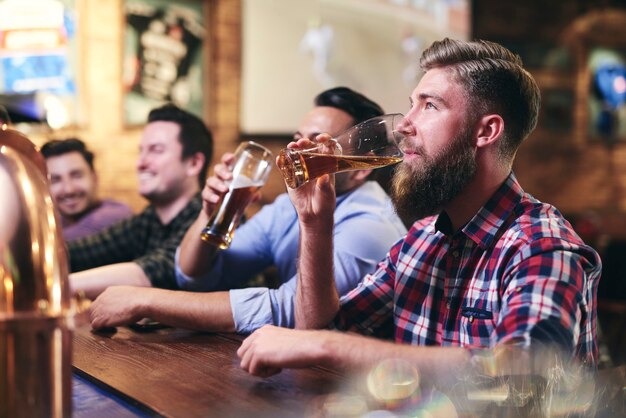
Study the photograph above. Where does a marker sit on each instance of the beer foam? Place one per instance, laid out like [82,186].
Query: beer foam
[242,181]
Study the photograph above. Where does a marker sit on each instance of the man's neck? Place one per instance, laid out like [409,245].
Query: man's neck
[167,211]
[475,196]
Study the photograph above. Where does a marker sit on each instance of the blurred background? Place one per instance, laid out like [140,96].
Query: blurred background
[250,68]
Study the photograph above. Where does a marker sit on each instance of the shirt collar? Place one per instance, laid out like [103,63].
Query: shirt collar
[484,226]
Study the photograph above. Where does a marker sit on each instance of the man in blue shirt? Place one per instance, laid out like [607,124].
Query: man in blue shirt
[365,227]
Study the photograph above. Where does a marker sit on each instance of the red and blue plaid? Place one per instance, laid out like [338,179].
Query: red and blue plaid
[515,273]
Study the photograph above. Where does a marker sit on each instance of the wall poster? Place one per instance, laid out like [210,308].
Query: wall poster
[163,56]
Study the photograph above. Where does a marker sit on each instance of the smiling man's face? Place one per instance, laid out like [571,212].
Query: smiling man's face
[73,183]
[160,168]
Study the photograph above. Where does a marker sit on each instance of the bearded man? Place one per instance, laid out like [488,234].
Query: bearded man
[485,266]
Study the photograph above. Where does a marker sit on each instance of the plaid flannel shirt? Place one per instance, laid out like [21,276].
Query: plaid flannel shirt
[142,239]
[515,273]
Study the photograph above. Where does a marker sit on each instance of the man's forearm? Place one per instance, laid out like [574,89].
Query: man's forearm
[271,349]
[94,281]
[317,300]
[200,311]
[440,365]
[196,256]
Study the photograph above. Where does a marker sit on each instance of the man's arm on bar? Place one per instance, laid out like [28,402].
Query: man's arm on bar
[270,349]
[93,281]
[121,305]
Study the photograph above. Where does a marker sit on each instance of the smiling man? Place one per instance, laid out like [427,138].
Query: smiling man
[174,155]
[74,189]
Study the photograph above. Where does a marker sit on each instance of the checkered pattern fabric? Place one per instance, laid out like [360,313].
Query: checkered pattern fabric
[515,273]
[142,239]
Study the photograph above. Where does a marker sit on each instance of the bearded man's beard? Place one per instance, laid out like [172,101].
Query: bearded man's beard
[424,190]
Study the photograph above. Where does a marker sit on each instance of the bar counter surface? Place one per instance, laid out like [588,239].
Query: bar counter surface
[170,372]
[180,373]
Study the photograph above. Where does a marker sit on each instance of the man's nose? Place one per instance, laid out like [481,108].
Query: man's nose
[406,126]
[67,186]
[141,162]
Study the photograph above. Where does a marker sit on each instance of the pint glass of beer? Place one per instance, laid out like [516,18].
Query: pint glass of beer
[373,143]
[251,166]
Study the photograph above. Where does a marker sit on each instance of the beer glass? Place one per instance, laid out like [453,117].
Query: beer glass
[373,143]
[251,166]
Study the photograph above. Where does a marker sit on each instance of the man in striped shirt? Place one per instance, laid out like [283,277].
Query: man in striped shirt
[485,266]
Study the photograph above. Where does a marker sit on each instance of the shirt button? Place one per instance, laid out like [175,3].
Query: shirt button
[448,305]
[455,254]
[471,319]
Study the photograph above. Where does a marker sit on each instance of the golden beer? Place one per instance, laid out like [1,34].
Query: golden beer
[251,166]
[298,167]
[227,215]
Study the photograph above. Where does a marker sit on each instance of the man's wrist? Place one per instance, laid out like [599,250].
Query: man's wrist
[143,303]
[327,348]
[319,227]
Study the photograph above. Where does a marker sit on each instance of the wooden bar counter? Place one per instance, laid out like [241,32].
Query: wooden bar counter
[179,373]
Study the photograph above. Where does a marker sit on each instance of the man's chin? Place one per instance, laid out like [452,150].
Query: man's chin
[73,212]
[154,196]
[146,191]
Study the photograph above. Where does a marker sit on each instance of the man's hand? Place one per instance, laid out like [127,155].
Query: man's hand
[315,201]
[216,185]
[118,305]
[270,349]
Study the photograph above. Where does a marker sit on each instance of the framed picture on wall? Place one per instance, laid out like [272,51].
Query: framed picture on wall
[163,56]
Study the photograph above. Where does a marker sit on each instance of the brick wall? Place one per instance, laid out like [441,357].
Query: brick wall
[560,163]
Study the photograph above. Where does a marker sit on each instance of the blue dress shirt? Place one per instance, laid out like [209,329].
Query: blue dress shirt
[365,228]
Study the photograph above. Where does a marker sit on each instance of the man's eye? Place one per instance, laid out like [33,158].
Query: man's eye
[429,105]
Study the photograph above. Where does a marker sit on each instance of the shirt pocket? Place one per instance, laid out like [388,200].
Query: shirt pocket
[477,326]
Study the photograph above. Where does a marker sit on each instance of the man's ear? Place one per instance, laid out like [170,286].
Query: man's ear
[490,130]
[195,163]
